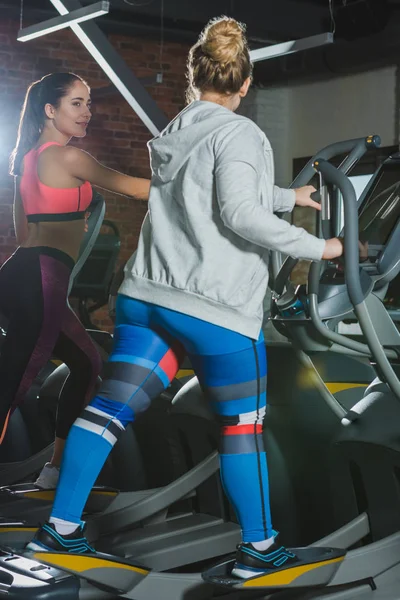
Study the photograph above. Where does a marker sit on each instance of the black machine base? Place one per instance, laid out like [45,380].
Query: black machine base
[21,578]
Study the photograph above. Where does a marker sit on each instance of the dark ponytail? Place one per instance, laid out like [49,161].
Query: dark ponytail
[30,126]
[48,90]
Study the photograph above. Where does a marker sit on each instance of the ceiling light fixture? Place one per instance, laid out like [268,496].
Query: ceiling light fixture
[286,48]
[77,16]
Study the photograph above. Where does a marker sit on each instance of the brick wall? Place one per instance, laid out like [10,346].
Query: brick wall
[116,136]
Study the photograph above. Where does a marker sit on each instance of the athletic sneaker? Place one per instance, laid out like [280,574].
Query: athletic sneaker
[47,539]
[251,562]
[48,477]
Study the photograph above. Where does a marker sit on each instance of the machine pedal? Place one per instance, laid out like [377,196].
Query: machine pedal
[316,567]
[103,570]
[28,495]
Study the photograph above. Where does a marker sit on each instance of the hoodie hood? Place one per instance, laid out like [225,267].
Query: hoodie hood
[172,148]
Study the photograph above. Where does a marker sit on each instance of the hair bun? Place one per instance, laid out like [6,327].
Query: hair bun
[223,40]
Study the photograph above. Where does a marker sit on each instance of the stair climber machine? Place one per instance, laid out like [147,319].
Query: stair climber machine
[326,374]
[156,542]
[363,456]
[343,373]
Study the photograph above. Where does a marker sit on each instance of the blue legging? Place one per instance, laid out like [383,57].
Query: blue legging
[149,342]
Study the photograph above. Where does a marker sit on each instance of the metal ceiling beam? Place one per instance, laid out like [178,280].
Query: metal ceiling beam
[77,16]
[290,47]
[115,68]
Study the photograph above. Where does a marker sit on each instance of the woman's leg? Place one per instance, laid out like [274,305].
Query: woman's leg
[34,290]
[235,385]
[76,349]
[141,366]
[232,370]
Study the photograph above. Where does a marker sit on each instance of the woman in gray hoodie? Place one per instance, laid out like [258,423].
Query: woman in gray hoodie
[196,284]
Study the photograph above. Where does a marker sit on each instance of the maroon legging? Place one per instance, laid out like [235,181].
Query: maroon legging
[33,297]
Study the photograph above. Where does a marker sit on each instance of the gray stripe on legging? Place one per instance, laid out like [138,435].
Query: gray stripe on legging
[235,391]
[126,393]
[239,444]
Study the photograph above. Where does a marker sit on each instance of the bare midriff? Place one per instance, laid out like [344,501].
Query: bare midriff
[64,236]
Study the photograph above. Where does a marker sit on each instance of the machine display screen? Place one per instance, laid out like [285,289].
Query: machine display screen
[380,210]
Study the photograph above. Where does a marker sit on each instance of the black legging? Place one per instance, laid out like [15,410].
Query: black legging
[33,297]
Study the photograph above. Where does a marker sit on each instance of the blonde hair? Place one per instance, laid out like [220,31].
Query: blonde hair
[220,59]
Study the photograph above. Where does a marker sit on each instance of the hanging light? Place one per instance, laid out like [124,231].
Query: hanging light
[286,48]
[77,16]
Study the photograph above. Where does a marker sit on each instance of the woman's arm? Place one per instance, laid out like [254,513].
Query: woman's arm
[239,168]
[81,165]
[237,185]
[20,220]
[284,200]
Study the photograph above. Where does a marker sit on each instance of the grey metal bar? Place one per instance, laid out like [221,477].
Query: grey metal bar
[352,272]
[336,349]
[369,561]
[356,149]
[97,44]
[351,251]
[325,206]
[338,338]
[388,333]
[372,141]
[162,498]
[290,47]
[57,23]
[348,535]
[18,471]
[95,222]
[331,401]
[378,351]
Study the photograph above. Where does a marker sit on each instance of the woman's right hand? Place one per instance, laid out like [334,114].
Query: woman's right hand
[333,249]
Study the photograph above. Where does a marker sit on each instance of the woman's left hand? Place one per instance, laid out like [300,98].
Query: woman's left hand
[303,197]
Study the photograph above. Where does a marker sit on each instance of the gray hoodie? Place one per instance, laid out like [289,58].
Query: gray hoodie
[204,244]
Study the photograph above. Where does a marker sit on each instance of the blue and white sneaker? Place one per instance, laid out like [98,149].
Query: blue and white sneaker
[251,562]
[47,539]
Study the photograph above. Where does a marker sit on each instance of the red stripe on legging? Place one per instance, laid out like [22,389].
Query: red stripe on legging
[170,364]
[241,429]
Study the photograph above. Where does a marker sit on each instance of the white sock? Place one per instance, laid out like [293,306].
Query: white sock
[48,477]
[264,544]
[63,527]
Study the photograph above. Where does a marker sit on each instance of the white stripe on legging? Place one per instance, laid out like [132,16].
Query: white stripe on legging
[97,429]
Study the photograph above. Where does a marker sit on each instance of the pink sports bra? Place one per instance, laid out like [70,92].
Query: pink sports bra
[44,203]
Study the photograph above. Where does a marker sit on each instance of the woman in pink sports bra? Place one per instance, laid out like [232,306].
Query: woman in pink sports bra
[52,194]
